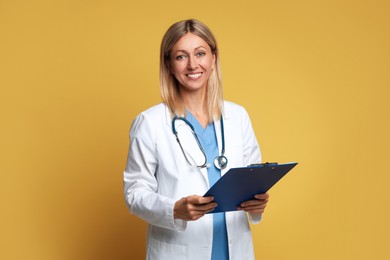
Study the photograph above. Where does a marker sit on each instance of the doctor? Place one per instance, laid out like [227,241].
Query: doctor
[181,147]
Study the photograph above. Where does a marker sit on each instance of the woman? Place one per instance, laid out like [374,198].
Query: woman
[169,168]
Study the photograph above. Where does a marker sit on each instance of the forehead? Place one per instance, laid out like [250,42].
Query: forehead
[190,42]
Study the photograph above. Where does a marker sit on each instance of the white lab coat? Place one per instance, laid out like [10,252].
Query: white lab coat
[157,175]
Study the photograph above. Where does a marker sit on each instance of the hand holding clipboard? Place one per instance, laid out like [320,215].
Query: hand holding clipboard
[241,184]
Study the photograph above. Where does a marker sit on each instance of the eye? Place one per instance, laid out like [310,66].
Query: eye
[180,57]
[200,54]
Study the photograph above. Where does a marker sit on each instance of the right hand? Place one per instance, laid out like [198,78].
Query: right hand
[193,207]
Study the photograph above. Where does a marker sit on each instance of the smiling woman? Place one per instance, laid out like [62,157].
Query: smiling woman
[192,63]
[313,75]
[165,179]
[187,49]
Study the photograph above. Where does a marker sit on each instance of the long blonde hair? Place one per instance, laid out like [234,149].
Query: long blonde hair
[169,85]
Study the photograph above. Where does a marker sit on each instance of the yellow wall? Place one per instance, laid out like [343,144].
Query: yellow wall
[314,76]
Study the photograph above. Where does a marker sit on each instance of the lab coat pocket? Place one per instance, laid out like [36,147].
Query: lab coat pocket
[161,250]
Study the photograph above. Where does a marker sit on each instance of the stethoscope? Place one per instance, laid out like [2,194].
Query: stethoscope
[220,161]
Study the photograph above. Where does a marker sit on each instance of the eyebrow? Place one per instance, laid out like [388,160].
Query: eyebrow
[195,49]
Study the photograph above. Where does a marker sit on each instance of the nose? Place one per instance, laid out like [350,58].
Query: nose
[192,63]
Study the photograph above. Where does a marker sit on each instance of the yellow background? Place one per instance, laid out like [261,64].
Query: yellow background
[314,76]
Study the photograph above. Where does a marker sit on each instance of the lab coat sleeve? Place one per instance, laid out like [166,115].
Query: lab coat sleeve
[140,183]
[252,153]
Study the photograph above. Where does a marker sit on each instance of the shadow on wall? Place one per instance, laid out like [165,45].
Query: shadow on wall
[88,218]
[117,234]
[124,239]
[101,226]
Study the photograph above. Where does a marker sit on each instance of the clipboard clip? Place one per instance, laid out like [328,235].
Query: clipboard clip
[266,164]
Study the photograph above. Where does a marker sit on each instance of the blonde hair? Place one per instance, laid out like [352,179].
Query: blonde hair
[169,86]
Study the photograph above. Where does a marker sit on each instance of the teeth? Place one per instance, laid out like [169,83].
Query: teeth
[197,75]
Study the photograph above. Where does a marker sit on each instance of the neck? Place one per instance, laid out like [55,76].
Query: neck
[196,104]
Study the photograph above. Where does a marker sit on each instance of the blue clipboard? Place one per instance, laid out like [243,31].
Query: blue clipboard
[241,184]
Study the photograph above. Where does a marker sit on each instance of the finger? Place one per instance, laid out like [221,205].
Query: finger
[264,196]
[189,214]
[205,207]
[253,203]
[193,217]
[252,209]
[196,214]
[202,208]
[204,200]
[199,199]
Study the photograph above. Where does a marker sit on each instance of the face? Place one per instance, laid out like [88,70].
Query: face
[191,63]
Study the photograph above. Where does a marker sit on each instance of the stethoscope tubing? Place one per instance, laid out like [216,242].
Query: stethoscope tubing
[220,161]
[194,134]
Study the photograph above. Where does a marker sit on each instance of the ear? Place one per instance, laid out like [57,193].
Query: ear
[214,59]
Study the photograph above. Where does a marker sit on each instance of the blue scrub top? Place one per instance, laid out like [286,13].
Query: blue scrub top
[208,139]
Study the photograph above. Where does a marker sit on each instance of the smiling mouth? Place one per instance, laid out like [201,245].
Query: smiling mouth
[194,75]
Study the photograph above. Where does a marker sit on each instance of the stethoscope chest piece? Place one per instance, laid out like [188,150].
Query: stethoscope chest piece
[221,162]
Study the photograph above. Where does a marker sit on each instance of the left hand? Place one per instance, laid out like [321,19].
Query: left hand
[255,205]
